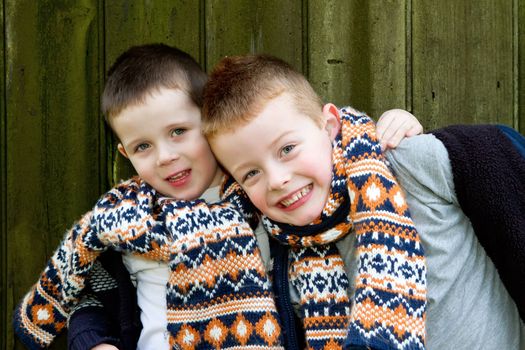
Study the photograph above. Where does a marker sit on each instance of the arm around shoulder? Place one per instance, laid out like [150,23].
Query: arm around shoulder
[43,312]
[421,163]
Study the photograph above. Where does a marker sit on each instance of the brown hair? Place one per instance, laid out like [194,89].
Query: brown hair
[240,86]
[142,70]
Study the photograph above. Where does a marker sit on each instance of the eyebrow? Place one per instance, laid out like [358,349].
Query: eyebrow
[238,169]
[271,145]
[187,122]
[134,143]
[278,139]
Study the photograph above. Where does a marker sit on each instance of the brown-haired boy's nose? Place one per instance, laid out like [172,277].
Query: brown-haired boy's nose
[166,157]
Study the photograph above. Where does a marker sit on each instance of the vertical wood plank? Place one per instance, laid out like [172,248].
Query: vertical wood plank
[4,323]
[245,26]
[229,29]
[519,41]
[357,53]
[279,30]
[463,61]
[53,134]
[130,22]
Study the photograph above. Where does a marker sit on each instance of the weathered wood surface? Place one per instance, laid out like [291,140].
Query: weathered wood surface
[53,141]
[357,53]
[451,61]
[463,61]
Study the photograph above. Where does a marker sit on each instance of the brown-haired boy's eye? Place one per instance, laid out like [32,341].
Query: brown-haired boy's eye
[249,175]
[142,147]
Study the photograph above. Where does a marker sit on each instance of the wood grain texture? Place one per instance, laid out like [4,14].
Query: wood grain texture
[4,322]
[248,26]
[230,29]
[356,53]
[519,42]
[53,138]
[463,61]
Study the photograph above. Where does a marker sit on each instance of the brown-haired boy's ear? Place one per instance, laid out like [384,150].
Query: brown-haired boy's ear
[332,121]
[122,150]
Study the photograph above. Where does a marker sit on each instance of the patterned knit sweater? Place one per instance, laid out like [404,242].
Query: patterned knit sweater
[218,294]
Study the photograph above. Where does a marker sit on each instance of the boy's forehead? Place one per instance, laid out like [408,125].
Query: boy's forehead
[160,98]
[271,120]
[165,105]
[283,106]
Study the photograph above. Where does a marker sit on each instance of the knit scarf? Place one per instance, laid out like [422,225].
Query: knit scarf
[218,293]
[390,296]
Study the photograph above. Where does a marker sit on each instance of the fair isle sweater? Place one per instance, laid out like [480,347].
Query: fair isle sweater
[202,310]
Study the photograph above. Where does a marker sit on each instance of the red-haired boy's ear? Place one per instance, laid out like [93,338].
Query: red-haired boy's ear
[122,150]
[332,120]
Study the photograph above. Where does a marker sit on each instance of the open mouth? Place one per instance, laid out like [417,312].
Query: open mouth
[178,176]
[294,198]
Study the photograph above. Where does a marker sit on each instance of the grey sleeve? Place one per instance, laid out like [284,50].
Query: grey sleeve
[463,287]
[422,166]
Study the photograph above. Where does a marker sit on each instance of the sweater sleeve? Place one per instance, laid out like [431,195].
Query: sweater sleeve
[89,326]
[89,322]
[421,164]
[108,312]
[43,312]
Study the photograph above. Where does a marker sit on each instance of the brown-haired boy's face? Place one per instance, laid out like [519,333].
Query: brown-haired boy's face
[282,159]
[162,138]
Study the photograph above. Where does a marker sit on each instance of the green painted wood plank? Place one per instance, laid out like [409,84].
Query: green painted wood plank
[246,26]
[278,30]
[4,322]
[53,133]
[356,52]
[130,22]
[230,29]
[463,61]
[519,40]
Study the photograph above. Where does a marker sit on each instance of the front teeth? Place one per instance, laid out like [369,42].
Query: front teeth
[178,176]
[298,195]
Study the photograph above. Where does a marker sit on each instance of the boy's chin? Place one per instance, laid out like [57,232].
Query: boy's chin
[299,220]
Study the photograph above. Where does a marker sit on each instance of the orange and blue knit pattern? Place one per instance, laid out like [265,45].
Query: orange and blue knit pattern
[388,310]
[218,294]
[390,296]
[317,272]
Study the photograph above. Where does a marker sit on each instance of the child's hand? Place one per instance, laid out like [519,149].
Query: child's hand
[394,125]
[104,347]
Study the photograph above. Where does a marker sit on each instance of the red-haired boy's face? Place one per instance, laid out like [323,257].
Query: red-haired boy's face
[282,159]
[162,138]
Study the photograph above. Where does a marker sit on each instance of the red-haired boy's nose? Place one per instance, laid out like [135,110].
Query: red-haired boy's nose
[277,179]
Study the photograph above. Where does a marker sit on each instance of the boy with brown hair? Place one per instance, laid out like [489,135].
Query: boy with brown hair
[152,101]
[316,173]
[200,281]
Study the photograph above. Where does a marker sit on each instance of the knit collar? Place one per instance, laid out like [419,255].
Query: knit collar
[322,229]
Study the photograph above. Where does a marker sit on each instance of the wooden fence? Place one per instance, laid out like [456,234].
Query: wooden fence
[448,61]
